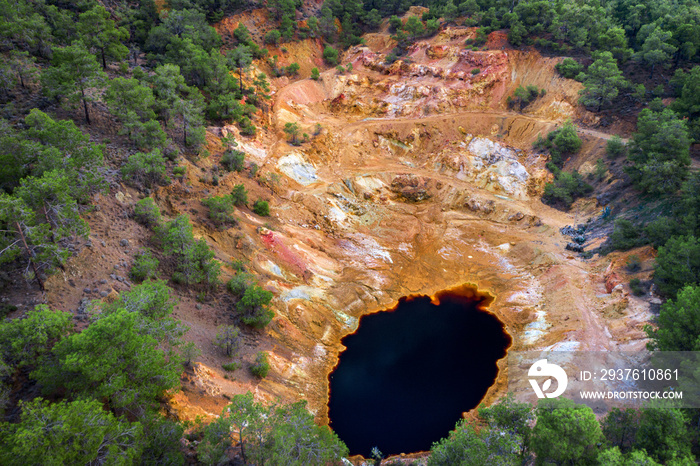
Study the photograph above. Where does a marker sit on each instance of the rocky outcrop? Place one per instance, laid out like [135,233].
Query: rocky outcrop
[612,278]
[411,188]
[480,205]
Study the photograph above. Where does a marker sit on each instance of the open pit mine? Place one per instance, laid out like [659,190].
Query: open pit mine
[414,178]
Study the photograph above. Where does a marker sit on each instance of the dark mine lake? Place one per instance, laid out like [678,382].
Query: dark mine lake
[408,373]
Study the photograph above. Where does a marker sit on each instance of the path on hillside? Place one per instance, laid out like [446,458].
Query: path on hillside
[419,120]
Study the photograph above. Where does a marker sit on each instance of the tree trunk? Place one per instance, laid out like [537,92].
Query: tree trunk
[46,216]
[240,78]
[29,253]
[104,61]
[184,130]
[240,439]
[87,115]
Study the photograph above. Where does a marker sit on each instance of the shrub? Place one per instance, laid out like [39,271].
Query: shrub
[293,69]
[220,209]
[615,147]
[229,339]
[189,353]
[196,136]
[138,73]
[253,307]
[233,160]
[481,37]
[261,367]
[634,264]
[6,309]
[149,135]
[541,143]
[566,140]
[560,142]
[625,235]
[238,265]
[194,261]
[569,68]
[231,366]
[516,33]
[179,170]
[524,95]
[273,37]
[330,55]
[145,169]
[315,75]
[147,212]
[660,152]
[637,287]
[476,71]
[144,266]
[239,195]
[253,169]
[239,283]
[247,127]
[677,265]
[261,208]
[171,152]
[600,169]
[432,26]
[566,188]
[678,323]
[554,441]
[292,130]
[395,23]
[659,230]
[340,69]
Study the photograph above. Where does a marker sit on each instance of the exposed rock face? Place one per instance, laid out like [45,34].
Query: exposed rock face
[480,206]
[442,76]
[500,164]
[411,188]
[612,278]
[491,152]
[574,247]
[294,166]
